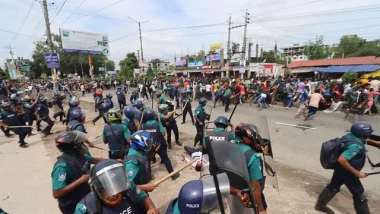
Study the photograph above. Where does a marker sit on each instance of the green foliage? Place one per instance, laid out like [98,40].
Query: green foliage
[268,54]
[317,49]
[128,64]
[4,75]
[354,46]
[350,77]
[224,79]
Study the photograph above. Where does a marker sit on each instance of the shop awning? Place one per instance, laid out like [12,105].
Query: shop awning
[347,68]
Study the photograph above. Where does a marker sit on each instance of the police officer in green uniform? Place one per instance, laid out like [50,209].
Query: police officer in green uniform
[220,133]
[137,161]
[113,193]
[186,102]
[29,108]
[169,122]
[348,171]
[116,135]
[69,174]
[8,117]
[248,138]
[226,98]
[129,120]
[160,98]
[200,117]
[157,131]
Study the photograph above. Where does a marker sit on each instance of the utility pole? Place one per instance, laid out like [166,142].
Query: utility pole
[229,40]
[138,55]
[141,46]
[246,22]
[13,61]
[49,40]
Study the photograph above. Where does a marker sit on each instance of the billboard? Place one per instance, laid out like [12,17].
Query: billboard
[81,42]
[181,62]
[12,70]
[52,60]
[216,46]
[213,57]
[195,64]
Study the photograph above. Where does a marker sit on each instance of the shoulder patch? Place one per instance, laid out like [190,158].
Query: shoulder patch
[62,176]
[131,171]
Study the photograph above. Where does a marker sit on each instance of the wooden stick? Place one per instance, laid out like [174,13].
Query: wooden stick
[174,172]
[235,96]
[141,119]
[19,126]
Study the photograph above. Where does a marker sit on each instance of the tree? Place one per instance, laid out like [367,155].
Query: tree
[317,49]
[200,56]
[268,54]
[354,46]
[4,75]
[350,77]
[128,64]
[110,65]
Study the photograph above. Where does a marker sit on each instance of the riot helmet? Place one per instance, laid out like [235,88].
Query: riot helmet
[202,101]
[221,122]
[361,129]
[149,114]
[42,99]
[108,180]
[13,97]
[109,96]
[73,103]
[6,105]
[114,116]
[77,114]
[248,134]
[163,108]
[138,104]
[70,141]
[141,141]
[199,196]
[129,112]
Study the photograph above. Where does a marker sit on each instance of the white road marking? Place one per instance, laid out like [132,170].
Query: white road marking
[298,126]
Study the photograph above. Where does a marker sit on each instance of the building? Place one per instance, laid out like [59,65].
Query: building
[295,53]
[22,65]
[161,66]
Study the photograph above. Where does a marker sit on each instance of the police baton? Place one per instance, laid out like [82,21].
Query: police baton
[372,173]
[174,172]
[233,111]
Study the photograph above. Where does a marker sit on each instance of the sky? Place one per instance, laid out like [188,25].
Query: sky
[179,27]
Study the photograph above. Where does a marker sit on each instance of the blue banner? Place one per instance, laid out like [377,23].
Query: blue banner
[52,60]
[195,64]
[212,57]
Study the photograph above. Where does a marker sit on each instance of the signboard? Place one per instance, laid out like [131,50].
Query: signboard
[216,46]
[195,64]
[181,62]
[213,57]
[25,68]
[82,42]
[136,70]
[111,72]
[101,69]
[52,60]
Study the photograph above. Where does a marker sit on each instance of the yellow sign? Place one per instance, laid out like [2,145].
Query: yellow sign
[216,46]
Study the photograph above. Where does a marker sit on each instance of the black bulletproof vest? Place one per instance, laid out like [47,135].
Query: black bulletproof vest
[218,136]
[154,131]
[68,202]
[120,96]
[43,110]
[144,176]
[72,125]
[115,142]
[128,205]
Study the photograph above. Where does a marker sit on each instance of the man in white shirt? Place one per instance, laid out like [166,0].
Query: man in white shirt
[375,84]
[208,91]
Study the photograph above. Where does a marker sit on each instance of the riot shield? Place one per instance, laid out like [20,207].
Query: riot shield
[262,125]
[226,157]
[208,109]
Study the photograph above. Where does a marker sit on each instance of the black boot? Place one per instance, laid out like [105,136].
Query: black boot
[362,207]
[323,199]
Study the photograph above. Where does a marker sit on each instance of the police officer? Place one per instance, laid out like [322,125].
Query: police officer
[137,162]
[8,117]
[29,109]
[129,120]
[168,121]
[186,102]
[57,100]
[134,96]
[120,98]
[226,98]
[109,100]
[160,98]
[43,115]
[176,95]
[200,118]
[73,104]
[156,130]
[248,138]
[220,133]
[348,171]
[113,193]
[69,174]
[98,105]
[116,135]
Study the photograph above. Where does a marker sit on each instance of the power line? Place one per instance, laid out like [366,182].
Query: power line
[23,22]
[20,34]
[73,12]
[58,11]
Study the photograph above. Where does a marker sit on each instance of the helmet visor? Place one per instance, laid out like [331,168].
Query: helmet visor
[81,137]
[110,181]
[210,199]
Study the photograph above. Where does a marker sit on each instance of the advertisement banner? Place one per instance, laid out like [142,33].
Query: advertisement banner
[82,42]
[11,70]
[111,72]
[195,64]
[213,57]
[216,46]
[181,62]
[52,60]
[268,69]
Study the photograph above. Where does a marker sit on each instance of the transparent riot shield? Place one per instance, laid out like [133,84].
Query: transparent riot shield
[226,157]
[268,161]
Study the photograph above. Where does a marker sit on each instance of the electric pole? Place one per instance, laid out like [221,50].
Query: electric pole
[141,46]
[246,22]
[49,40]
[229,41]
[138,55]
[13,63]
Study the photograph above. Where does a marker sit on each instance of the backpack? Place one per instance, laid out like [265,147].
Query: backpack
[332,149]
